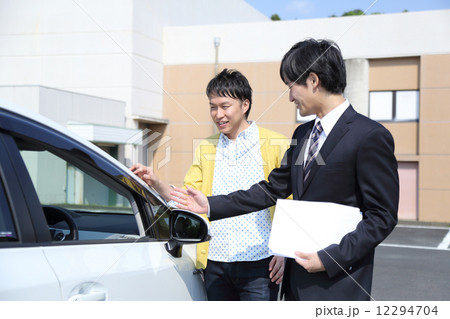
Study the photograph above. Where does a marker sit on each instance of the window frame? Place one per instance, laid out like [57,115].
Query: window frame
[394,106]
[23,221]
[6,214]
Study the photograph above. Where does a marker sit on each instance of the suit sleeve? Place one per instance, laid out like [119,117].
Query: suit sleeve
[259,196]
[378,188]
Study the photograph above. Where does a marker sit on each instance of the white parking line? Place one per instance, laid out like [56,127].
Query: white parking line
[445,242]
[413,247]
[444,245]
[421,226]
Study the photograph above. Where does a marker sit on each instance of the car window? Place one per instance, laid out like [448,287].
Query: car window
[72,198]
[7,229]
[161,224]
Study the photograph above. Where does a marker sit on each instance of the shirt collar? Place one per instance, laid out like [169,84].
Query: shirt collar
[329,120]
[248,133]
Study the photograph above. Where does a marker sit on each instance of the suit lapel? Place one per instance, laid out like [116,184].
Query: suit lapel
[337,133]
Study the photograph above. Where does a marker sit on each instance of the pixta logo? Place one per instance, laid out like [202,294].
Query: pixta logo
[146,143]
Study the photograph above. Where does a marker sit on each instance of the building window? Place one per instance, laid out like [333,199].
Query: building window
[394,105]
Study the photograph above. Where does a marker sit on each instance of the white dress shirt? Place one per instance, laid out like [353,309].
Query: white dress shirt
[327,122]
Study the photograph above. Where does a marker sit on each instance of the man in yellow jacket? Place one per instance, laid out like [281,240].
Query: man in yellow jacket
[240,266]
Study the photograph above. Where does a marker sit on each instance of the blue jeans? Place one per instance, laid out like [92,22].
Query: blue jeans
[242,280]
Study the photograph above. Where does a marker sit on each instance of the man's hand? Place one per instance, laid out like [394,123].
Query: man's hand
[190,199]
[145,173]
[276,268]
[311,262]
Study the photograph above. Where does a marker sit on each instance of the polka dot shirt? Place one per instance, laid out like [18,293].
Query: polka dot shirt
[239,165]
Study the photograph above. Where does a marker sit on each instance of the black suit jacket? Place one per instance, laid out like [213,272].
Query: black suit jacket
[359,170]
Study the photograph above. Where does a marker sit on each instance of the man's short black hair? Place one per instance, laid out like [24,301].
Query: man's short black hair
[323,57]
[231,83]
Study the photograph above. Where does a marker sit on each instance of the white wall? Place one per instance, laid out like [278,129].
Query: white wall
[373,36]
[201,12]
[64,106]
[105,48]
[56,43]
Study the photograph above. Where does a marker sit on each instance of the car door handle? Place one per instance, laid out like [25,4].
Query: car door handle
[88,291]
[92,296]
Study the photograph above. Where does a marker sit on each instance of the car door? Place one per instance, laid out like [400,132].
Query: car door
[25,273]
[119,253]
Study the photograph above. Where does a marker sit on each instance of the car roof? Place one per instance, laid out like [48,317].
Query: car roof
[34,116]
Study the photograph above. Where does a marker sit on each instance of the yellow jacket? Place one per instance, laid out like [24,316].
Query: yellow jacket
[200,175]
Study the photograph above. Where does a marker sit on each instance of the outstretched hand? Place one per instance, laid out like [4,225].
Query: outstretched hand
[190,199]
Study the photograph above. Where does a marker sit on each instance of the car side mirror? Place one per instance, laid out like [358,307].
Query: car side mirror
[185,228]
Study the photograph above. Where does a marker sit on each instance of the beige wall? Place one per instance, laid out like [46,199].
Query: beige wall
[434,137]
[394,74]
[406,139]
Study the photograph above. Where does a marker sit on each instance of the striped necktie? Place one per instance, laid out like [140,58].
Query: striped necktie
[313,150]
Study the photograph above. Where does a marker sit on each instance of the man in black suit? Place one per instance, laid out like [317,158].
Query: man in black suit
[346,159]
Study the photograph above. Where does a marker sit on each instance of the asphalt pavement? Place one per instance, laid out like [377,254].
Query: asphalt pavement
[413,263]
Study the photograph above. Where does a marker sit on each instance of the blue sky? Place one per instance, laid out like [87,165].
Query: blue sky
[311,9]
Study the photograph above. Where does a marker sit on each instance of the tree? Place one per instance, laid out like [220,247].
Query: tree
[275,17]
[356,12]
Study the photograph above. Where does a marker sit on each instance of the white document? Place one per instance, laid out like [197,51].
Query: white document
[309,226]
